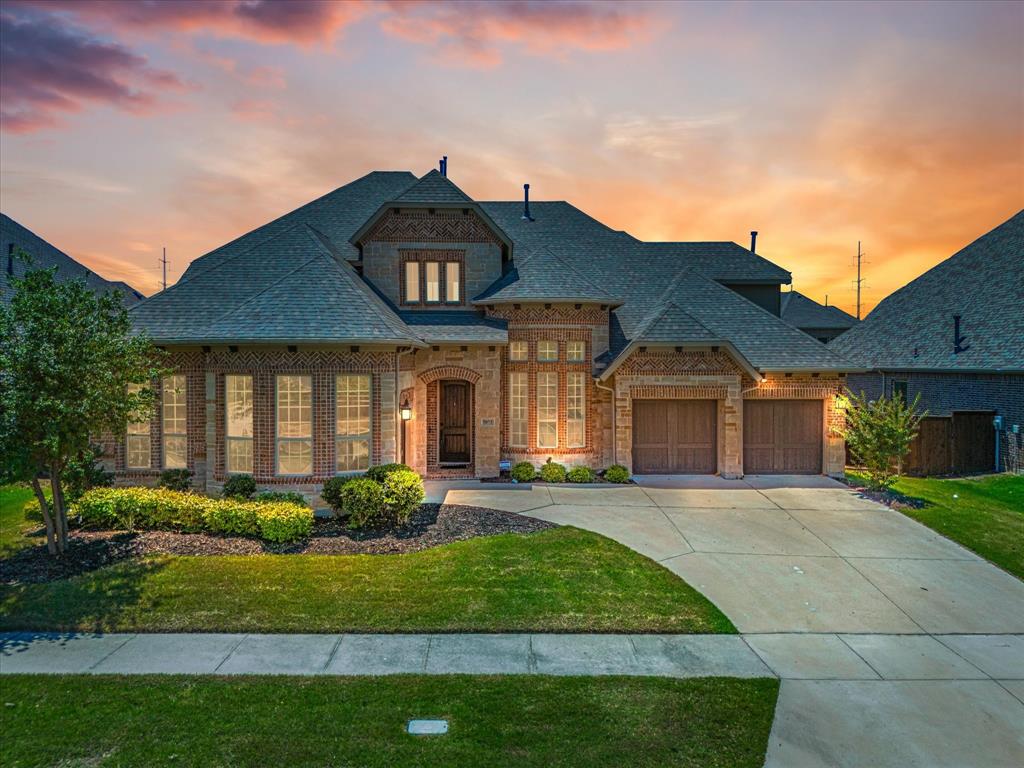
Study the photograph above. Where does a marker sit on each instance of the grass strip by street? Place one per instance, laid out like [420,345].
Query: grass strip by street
[984,514]
[557,580]
[493,721]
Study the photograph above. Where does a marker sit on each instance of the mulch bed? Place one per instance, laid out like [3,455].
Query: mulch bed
[889,498]
[598,480]
[430,526]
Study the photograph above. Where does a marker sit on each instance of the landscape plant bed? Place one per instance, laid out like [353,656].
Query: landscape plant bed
[598,480]
[431,525]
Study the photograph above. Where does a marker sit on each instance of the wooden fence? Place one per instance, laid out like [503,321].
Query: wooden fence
[951,445]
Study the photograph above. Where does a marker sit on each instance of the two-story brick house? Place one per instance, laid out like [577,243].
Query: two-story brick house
[479,331]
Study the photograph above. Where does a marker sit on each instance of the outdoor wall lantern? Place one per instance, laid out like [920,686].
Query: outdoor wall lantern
[406,411]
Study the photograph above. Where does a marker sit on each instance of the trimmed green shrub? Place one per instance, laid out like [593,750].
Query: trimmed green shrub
[283,521]
[580,475]
[239,487]
[234,517]
[331,492]
[292,497]
[616,473]
[30,509]
[552,472]
[523,472]
[380,473]
[362,499]
[161,509]
[176,479]
[403,493]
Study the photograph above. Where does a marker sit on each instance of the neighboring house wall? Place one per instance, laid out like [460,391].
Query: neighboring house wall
[943,393]
[414,233]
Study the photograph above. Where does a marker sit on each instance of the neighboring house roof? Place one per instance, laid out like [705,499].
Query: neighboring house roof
[914,327]
[455,327]
[698,311]
[46,255]
[802,312]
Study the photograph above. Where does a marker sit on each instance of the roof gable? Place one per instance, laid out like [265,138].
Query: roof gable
[914,327]
[433,187]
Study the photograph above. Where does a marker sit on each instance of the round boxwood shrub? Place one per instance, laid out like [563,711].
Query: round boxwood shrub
[580,475]
[381,472]
[523,472]
[239,487]
[331,492]
[362,499]
[616,473]
[552,472]
[403,493]
[176,479]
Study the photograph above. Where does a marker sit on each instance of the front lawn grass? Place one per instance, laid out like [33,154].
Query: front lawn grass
[557,580]
[984,514]
[360,721]
[14,528]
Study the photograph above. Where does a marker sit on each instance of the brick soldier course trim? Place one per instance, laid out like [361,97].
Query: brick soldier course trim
[431,226]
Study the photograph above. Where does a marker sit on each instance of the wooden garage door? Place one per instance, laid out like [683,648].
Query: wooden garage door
[675,436]
[782,437]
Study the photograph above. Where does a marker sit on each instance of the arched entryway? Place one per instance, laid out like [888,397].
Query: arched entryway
[450,415]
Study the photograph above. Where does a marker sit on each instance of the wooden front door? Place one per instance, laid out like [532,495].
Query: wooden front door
[455,423]
[675,436]
[782,437]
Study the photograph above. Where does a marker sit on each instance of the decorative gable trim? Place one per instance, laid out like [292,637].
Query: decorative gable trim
[423,225]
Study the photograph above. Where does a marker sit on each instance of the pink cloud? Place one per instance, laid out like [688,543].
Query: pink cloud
[52,68]
[470,33]
[264,21]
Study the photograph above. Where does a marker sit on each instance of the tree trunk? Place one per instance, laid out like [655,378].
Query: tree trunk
[60,513]
[51,544]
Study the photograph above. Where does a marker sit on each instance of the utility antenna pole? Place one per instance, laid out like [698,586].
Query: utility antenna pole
[163,263]
[860,279]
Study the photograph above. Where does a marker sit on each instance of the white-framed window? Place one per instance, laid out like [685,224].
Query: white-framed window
[576,351]
[412,282]
[547,351]
[238,423]
[138,455]
[352,424]
[547,410]
[518,409]
[452,282]
[518,351]
[575,409]
[294,425]
[174,408]
[432,271]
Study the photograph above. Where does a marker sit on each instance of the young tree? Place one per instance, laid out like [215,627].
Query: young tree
[67,357]
[879,433]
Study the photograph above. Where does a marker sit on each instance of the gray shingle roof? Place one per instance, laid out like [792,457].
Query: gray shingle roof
[714,313]
[289,287]
[455,327]
[913,327]
[432,187]
[46,255]
[543,276]
[337,214]
[802,312]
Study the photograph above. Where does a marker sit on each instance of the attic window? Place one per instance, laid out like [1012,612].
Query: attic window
[431,277]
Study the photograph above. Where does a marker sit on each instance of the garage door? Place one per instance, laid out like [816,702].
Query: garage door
[782,437]
[675,436]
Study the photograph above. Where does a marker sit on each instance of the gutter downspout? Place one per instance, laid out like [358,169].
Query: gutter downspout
[399,424]
[615,437]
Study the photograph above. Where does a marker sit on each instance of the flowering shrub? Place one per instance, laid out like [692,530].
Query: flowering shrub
[160,509]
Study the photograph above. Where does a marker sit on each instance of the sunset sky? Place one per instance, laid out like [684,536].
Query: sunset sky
[131,126]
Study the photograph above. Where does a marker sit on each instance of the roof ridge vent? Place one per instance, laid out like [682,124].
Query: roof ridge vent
[526,203]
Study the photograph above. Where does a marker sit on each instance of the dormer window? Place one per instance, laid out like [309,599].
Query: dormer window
[432,277]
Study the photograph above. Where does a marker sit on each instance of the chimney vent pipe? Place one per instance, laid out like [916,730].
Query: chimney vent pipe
[526,203]
[753,241]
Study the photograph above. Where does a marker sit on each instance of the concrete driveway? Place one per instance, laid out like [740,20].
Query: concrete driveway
[896,646]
